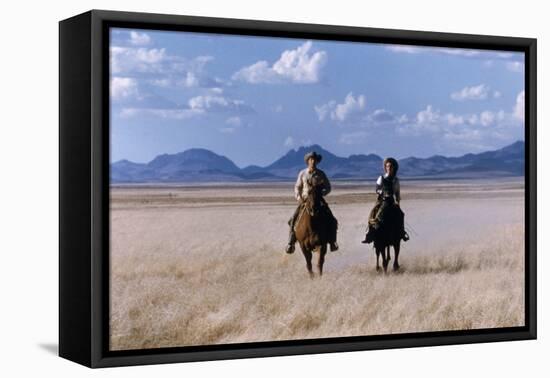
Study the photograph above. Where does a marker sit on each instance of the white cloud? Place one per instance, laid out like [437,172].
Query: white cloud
[351,108]
[515,66]
[129,59]
[162,69]
[412,49]
[487,56]
[357,137]
[497,94]
[519,108]
[163,83]
[123,88]
[405,49]
[487,118]
[478,92]
[218,104]
[234,121]
[289,142]
[428,116]
[453,119]
[383,116]
[463,132]
[177,114]
[139,39]
[324,110]
[190,80]
[456,51]
[294,66]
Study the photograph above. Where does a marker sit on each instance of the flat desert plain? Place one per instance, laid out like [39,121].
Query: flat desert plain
[205,264]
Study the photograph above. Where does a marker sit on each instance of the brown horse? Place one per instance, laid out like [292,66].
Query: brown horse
[389,235]
[315,228]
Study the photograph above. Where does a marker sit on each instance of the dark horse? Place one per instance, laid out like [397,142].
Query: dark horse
[315,228]
[389,235]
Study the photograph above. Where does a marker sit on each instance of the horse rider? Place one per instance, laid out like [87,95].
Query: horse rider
[389,194]
[301,191]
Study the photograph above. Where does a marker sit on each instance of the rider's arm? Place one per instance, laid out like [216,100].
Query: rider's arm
[326,185]
[397,190]
[298,187]
[379,185]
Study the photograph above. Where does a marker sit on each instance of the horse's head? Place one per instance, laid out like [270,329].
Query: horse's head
[313,201]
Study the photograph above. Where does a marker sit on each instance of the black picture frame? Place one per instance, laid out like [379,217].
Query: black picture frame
[84,188]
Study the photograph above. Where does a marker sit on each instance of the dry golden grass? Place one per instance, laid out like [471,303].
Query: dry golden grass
[217,274]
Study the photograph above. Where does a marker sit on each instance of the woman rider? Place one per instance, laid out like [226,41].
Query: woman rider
[389,194]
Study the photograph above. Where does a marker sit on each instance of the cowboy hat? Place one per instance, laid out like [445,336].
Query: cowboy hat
[314,155]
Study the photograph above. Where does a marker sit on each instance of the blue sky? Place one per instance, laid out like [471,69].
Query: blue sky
[254,98]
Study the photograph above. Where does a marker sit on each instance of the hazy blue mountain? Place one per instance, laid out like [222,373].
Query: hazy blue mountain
[201,165]
[507,161]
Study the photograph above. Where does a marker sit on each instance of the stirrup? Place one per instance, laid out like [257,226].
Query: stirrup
[334,247]
[405,236]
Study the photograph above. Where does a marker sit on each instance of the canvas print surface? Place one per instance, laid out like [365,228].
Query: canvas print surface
[266,189]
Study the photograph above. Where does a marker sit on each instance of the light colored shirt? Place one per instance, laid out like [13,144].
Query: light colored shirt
[396,187]
[303,183]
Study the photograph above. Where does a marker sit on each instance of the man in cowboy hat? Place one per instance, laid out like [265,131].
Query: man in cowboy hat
[389,194]
[301,192]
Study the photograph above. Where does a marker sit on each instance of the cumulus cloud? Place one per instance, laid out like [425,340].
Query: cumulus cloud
[462,132]
[487,56]
[139,39]
[478,92]
[411,49]
[195,107]
[351,108]
[519,108]
[234,121]
[162,69]
[129,59]
[428,116]
[405,49]
[216,103]
[176,114]
[357,137]
[383,116]
[289,142]
[488,118]
[123,88]
[515,66]
[294,66]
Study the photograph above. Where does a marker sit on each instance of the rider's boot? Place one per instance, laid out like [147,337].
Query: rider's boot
[291,241]
[369,237]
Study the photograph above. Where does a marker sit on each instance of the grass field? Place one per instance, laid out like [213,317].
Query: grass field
[205,264]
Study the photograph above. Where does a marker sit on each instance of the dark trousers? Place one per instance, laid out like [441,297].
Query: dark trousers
[383,206]
[379,211]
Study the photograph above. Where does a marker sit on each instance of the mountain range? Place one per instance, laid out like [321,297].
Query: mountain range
[202,165]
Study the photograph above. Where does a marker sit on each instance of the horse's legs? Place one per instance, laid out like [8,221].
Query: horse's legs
[307,254]
[385,258]
[377,259]
[321,261]
[396,248]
